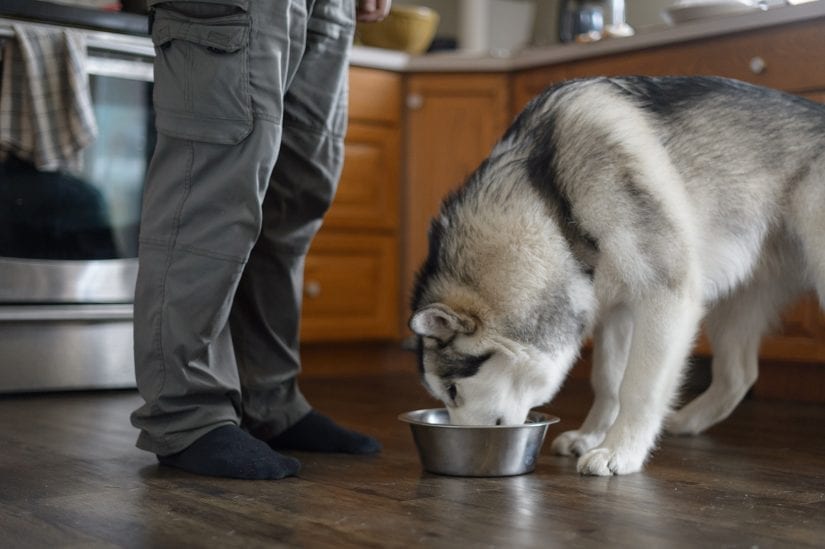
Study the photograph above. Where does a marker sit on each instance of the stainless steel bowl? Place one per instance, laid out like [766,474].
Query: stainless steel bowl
[476,451]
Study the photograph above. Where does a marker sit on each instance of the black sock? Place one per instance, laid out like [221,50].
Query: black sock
[318,433]
[231,452]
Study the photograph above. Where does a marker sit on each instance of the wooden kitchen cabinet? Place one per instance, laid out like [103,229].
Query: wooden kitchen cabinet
[789,57]
[351,278]
[452,123]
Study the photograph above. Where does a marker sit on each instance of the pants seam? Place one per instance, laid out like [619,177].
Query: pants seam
[260,115]
[159,243]
[152,241]
[187,185]
[213,255]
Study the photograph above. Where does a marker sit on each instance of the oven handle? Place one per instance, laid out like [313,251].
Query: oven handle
[138,50]
[63,313]
[120,68]
[101,40]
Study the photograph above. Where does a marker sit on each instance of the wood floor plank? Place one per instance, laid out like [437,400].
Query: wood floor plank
[70,476]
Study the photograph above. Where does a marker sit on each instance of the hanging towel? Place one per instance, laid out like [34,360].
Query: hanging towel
[46,114]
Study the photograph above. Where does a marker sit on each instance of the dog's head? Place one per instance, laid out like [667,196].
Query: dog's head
[501,304]
[483,376]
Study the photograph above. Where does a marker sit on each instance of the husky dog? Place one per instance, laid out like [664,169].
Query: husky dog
[627,209]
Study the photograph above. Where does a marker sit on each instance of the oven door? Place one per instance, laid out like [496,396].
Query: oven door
[71,236]
[68,239]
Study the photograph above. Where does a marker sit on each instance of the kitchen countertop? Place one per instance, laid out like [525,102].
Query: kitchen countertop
[550,55]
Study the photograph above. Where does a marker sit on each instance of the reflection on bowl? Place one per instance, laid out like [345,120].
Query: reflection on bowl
[476,451]
[406,28]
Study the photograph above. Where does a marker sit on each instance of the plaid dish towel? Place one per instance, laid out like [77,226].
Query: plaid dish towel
[46,115]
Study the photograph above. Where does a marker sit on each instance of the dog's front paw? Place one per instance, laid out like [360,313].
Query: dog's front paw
[609,461]
[575,443]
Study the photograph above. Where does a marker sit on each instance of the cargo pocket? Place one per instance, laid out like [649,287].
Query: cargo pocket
[201,88]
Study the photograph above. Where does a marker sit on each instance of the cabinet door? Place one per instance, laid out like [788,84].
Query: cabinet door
[452,123]
[367,196]
[350,288]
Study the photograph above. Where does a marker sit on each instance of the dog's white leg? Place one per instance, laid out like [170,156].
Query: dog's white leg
[611,345]
[664,325]
[735,328]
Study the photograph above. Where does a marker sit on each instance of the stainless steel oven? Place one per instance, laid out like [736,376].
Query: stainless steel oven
[68,239]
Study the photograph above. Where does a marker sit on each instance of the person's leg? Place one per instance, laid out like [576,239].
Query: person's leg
[266,314]
[219,103]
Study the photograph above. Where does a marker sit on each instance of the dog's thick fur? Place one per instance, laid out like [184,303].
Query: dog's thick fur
[627,209]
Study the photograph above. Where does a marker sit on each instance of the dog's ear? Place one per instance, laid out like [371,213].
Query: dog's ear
[441,322]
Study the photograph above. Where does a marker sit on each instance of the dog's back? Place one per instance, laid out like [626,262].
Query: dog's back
[711,155]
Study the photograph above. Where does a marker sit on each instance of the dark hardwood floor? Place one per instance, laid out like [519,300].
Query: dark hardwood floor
[70,476]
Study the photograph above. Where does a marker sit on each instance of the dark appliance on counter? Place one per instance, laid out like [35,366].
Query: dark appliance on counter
[591,20]
[68,239]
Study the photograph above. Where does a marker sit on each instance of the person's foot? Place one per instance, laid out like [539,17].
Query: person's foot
[317,433]
[230,452]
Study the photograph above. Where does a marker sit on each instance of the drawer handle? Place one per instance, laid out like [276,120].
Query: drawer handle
[758,65]
[415,101]
[312,289]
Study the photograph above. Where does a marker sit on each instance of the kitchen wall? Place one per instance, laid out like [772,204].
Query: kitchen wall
[639,14]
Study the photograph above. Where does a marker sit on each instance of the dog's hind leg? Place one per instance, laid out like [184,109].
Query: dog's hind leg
[610,349]
[735,327]
[807,203]
[790,264]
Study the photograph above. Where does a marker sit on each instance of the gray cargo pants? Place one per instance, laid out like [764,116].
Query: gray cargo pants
[250,100]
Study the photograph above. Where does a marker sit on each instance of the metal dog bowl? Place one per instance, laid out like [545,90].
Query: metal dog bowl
[476,451]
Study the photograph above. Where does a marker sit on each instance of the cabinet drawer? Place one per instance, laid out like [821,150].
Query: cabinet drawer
[367,194]
[351,288]
[375,96]
[789,58]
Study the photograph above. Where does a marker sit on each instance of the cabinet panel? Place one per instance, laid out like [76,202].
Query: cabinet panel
[350,288]
[367,195]
[453,121]
[781,58]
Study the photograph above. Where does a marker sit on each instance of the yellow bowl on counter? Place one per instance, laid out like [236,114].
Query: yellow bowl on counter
[406,28]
